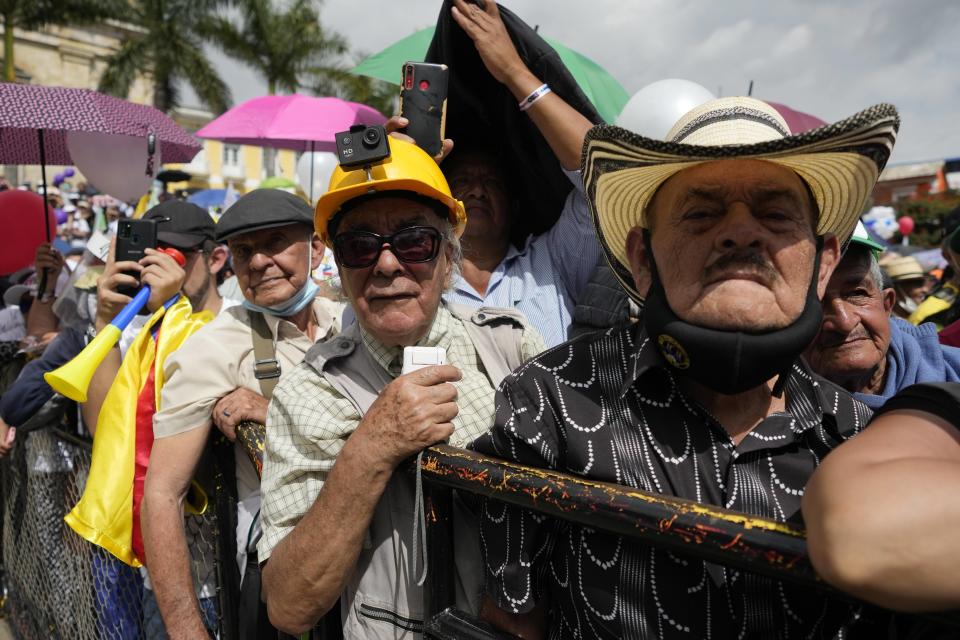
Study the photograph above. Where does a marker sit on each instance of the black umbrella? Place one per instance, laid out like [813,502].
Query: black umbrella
[480,110]
[172,175]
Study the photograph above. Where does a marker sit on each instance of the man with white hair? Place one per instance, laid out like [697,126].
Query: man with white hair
[732,228]
[861,347]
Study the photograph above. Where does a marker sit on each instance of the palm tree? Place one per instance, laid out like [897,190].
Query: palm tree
[32,15]
[171,49]
[279,44]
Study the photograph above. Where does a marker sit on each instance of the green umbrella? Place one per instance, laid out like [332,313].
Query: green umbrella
[606,94]
[278,182]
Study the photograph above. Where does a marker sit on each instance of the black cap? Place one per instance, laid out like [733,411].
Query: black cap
[181,224]
[263,209]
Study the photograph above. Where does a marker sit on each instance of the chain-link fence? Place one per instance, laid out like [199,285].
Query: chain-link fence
[58,585]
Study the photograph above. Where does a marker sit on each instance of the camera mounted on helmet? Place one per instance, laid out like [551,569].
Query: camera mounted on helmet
[362,146]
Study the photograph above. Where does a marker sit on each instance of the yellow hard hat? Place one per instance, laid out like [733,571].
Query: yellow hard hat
[408,168]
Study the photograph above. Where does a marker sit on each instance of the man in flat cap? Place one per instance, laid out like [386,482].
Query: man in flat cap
[224,375]
[731,228]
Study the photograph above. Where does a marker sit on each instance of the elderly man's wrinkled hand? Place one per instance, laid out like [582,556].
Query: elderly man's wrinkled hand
[241,405]
[413,412]
[393,126]
[485,27]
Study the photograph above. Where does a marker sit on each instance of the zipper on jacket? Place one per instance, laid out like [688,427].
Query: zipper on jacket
[385,615]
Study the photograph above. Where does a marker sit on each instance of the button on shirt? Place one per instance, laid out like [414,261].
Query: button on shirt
[606,407]
[310,421]
[545,278]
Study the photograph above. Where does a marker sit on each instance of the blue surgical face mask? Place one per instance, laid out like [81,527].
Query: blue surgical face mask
[298,302]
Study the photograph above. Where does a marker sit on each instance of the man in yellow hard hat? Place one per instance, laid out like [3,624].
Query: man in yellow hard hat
[337,520]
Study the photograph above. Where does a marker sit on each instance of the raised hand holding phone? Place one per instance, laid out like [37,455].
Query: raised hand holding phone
[423,103]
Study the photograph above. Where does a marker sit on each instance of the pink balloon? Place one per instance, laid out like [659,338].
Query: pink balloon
[23,228]
[906,225]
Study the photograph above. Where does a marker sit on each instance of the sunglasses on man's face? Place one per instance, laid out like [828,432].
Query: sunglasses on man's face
[412,245]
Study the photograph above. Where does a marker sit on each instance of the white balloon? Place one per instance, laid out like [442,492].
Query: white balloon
[324,163]
[653,110]
[115,165]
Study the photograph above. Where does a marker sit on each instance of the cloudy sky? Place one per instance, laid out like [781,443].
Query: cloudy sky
[826,57]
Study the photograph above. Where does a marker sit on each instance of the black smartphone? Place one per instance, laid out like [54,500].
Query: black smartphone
[423,102]
[134,237]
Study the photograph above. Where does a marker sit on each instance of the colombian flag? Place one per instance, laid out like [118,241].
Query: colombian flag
[108,513]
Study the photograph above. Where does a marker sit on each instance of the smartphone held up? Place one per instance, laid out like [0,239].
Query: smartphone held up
[423,102]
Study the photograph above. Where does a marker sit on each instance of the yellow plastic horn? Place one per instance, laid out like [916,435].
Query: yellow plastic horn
[73,378]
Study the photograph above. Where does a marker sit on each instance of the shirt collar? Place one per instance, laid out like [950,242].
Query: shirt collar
[391,358]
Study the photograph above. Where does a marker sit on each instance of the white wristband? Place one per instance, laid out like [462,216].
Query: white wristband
[535,95]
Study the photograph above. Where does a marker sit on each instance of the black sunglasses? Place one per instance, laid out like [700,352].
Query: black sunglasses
[359,249]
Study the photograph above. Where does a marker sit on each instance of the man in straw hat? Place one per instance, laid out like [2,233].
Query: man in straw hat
[337,520]
[909,281]
[730,230]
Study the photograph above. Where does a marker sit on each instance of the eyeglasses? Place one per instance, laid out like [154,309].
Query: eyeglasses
[359,249]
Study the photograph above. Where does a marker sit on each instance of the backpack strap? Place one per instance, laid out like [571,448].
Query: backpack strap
[266,367]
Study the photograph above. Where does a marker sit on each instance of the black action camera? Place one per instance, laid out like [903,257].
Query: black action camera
[362,146]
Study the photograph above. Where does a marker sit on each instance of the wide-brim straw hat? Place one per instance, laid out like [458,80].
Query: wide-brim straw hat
[904,268]
[840,163]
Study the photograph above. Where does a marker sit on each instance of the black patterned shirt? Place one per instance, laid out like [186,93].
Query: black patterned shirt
[606,407]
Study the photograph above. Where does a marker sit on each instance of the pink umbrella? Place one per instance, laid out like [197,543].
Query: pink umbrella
[798,121]
[297,122]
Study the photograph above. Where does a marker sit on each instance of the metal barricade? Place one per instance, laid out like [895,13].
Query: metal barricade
[698,530]
[58,585]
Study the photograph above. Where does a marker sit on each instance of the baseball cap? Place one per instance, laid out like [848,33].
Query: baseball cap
[181,224]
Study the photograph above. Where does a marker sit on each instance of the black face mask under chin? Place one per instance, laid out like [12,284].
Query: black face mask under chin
[730,362]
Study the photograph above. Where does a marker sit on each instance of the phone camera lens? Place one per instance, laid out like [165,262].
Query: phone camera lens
[371,138]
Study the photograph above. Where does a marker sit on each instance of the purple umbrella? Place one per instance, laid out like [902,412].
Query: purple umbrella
[34,121]
[28,111]
[297,122]
[798,121]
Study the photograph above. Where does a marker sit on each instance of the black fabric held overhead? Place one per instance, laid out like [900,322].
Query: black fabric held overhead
[481,110]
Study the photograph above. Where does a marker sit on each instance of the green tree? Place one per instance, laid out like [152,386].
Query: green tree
[32,15]
[170,48]
[280,44]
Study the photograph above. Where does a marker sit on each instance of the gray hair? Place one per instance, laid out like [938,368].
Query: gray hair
[447,231]
[876,273]
[873,265]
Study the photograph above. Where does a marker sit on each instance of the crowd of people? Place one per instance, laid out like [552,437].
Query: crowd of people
[759,351]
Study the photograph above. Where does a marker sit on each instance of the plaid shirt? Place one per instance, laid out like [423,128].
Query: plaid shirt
[309,421]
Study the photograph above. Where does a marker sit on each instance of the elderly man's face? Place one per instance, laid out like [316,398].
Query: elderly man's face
[476,180]
[395,302]
[855,334]
[271,264]
[734,245]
